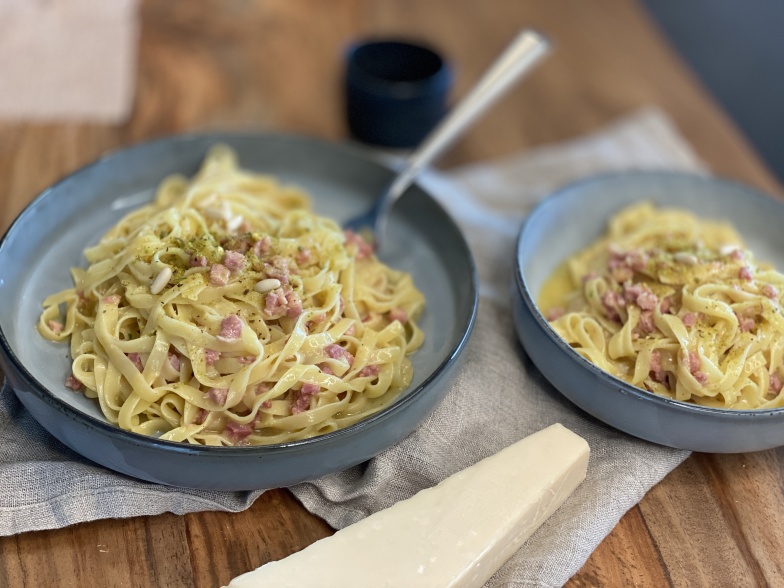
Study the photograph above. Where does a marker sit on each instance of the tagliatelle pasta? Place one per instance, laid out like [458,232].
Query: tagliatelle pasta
[677,306]
[225,313]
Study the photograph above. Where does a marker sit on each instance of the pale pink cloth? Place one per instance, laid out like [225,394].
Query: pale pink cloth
[67,59]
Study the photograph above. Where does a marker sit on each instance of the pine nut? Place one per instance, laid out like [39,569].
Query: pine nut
[267,285]
[161,280]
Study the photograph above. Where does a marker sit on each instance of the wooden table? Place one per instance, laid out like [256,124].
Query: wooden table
[276,65]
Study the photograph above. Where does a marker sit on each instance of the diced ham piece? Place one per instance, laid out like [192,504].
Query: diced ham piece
[55,326]
[266,404]
[694,368]
[694,361]
[398,314]
[174,361]
[555,313]
[283,301]
[72,383]
[655,360]
[262,246]
[304,256]
[310,389]
[137,361]
[351,330]
[218,395]
[646,323]
[237,432]
[275,302]
[666,304]
[612,301]
[219,274]
[113,299]
[293,305]
[325,369]
[768,291]
[334,351]
[744,273]
[647,300]
[364,249]
[637,260]
[211,356]
[657,373]
[231,328]
[201,416]
[234,261]
[622,265]
[302,401]
[736,254]
[689,319]
[631,292]
[198,261]
[368,370]
[246,359]
[278,268]
[746,323]
[659,376]
[641,296]
[262,387]
[776,383]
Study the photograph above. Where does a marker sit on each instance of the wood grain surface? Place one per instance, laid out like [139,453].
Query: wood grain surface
[277,65]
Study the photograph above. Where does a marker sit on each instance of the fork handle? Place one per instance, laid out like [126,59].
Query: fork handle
[525,51]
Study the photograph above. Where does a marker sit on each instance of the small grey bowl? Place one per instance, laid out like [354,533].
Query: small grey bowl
[576,215]
[48,238]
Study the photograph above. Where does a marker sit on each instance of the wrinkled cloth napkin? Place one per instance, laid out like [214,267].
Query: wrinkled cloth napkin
[498,398]
[67,59]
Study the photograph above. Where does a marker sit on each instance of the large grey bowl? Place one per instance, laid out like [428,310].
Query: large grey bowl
[573,217]
[49,235]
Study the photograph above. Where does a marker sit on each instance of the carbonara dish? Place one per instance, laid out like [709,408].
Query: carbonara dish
[677,306]
[227,313]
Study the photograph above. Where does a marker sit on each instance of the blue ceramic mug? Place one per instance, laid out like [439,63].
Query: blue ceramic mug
[396,92]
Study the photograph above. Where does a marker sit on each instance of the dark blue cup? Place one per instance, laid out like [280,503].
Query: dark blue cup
[396,92]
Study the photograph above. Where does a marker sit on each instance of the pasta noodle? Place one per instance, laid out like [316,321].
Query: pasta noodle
[226,313]
[677,306]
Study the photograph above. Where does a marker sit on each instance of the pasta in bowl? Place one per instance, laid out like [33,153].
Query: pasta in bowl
[268,431]
[226,312]
[638,297]
[674,304]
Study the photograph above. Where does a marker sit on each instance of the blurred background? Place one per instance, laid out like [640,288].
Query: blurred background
[126,62]
[737,50]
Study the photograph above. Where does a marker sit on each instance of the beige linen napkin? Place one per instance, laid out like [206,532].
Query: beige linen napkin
[67,59]
[499,397]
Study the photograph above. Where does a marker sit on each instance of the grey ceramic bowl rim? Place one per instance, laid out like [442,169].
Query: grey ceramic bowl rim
[621,385]
[245,451]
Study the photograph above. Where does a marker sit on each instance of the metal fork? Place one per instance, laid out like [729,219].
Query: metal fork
[524,52]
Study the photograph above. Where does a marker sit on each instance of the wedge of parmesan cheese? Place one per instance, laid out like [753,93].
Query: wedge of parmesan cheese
[457,533]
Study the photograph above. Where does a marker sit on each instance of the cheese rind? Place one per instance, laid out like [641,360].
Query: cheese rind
[456,534]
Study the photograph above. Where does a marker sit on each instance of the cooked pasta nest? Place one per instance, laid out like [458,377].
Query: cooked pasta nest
[227,313]
[675,305]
